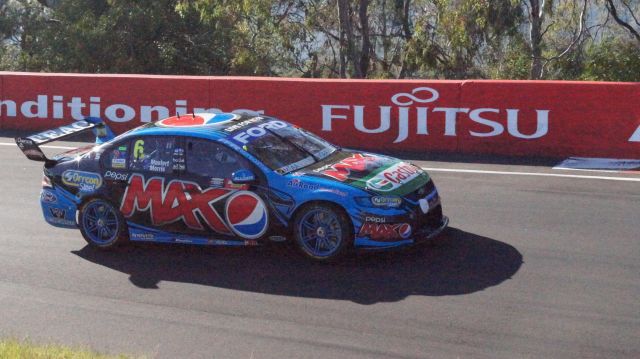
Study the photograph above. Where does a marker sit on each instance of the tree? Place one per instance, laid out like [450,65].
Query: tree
[550,13]
[624,12]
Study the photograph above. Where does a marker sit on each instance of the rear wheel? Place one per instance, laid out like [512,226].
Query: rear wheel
[322,232]
[102,224]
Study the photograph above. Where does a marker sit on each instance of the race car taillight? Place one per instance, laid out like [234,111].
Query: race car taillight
[46,181]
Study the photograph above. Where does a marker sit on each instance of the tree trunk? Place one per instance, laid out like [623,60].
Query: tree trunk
[342,15]
[535,36]
[346,31]
[366,43]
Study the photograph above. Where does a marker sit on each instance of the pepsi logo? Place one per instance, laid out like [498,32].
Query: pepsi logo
[195,120]
[404,230]
[246,215]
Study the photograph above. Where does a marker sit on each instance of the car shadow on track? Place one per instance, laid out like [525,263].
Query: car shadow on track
[462,263]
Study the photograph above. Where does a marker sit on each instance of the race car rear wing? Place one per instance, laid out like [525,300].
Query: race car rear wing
[30,145]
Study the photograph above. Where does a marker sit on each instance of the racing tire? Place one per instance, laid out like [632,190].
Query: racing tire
[323,232]
[102,225]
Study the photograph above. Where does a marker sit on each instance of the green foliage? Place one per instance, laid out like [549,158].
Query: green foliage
[613,60]
[453,39]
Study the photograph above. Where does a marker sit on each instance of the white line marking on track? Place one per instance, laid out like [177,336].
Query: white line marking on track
[538,174]
[586,170]
[45,146]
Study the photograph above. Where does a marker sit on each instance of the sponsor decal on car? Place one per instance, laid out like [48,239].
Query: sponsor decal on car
[296,165]
[85,181]
[246,214]
[386,201]
[334,191]
[142,236]
[195,120]
[138,150]
[375,219]
[48,197]
[247,177]
[393,177]
[119,157]
[57,212]
[49,135]
[157,165]
[116,176]
[257,131]
[61,221]
[357,162]
[385,231]
[119,163]
[175,201]
[178,159]
[277,238]
[216,182]
[237,186]
[296,183]
[243,124]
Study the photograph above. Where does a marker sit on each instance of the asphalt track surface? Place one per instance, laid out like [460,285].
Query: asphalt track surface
[533,266]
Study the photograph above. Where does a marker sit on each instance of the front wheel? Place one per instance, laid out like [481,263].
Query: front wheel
[101,224]
[322,232]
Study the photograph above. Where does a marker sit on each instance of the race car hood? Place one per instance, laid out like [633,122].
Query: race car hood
[376,173]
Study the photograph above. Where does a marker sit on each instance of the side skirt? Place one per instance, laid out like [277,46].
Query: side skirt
[139,233]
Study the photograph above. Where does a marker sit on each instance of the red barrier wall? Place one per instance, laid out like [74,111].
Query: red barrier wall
[535,118]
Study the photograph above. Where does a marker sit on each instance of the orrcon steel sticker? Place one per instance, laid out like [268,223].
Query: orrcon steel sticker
[85,181]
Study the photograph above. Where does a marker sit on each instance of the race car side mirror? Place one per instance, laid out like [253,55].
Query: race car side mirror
[243,176]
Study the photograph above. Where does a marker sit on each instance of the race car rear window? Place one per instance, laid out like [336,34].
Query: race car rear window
[156,154]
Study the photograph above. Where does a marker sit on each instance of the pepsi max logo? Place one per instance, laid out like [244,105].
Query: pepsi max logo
[195,120]
[404,230]
[246,215]
[385,232]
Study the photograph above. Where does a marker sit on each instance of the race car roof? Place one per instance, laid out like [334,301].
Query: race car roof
[207,125]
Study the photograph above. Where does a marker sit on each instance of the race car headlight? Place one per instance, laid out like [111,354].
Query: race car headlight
[379,201]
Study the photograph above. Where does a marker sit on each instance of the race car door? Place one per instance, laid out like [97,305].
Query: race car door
[227,208]
[154,196]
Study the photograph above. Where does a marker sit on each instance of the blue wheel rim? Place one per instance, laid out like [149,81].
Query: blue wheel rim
[320,232]
[100,222]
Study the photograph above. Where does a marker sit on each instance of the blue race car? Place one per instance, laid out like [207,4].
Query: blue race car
[236,180]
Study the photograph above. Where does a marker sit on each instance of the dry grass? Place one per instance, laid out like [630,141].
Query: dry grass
[15,349]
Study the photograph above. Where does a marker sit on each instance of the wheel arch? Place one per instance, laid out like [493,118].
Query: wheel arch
[333,204]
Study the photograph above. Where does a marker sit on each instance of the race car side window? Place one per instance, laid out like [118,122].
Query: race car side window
[211,159]
[157,154]
[116,157]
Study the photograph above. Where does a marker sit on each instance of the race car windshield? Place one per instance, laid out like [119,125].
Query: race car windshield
[289,149]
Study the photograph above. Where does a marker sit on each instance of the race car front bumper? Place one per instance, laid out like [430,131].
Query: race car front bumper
[427,234]
[426,228]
